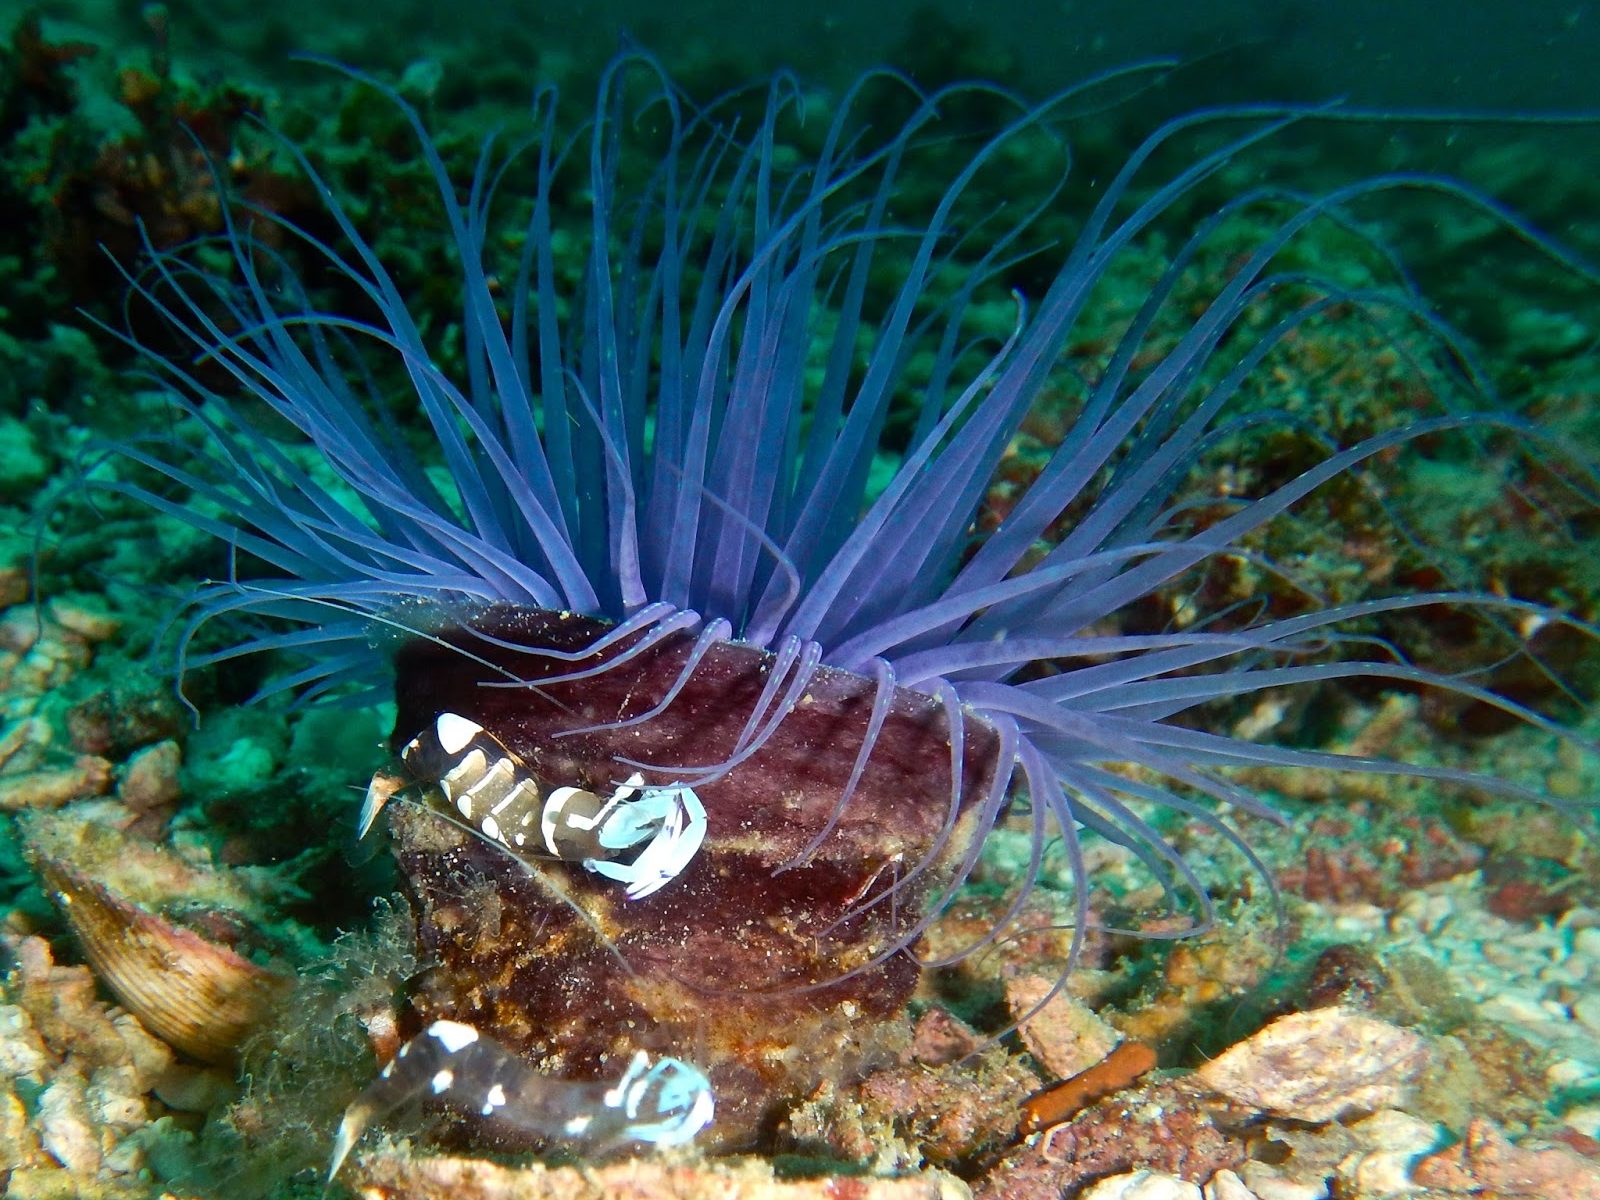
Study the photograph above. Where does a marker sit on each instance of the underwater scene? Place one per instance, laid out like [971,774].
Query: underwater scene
[867,602]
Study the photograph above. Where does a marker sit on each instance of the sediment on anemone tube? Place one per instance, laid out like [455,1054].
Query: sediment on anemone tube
[757,506]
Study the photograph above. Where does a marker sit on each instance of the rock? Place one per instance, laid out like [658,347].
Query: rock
[940,1038]
[67,1125]
[1391,1142]
[1225,1185]
[1163,1126]
[1378,1173]
[1486,1161]
[1315,1066]
[24,744]
[392,1171]
[53,787]
[1270,1184]
[22,1052]
[902,1117]
[1587,1011]
[85,616]
[19,1141]
[43,1183]
[1064,1035]
[150,780]
[1143,1185]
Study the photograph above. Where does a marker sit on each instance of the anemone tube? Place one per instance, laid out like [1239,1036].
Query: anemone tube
[659,545]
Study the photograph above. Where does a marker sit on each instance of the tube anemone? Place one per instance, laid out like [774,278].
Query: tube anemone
[711,515]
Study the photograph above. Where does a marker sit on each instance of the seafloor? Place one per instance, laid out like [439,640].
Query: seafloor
[1447,944]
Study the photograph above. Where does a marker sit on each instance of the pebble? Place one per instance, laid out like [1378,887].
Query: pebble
[193,1089]
[1502,955]
[1268,1184]
[1586,1120]
[1225,1185]
[1522,976]
[1587,1011]
[22,1051]
[150,780]
[1515,1008]
[1391,1129]
[1586,943]
[1065,1035]
[1314,1066]
[85,618]
[66,1126]
[53,787]
[19,1141]
[1571,1073]
[1143,1185]
[1375,1174]
[23,742]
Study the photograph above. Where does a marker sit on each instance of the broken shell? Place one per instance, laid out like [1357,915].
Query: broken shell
[160,930]
[198,996]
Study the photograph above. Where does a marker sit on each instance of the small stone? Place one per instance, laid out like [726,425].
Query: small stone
[150,780]
[1486,1161]
[19,1144]
[1585,1119]
[43,1183]
[1377,1173]
[1143,1185]
[1587,1012]
[1065,1035]
[1225,1185]
[51,788]
[1391,1129]
[1499,955]
[116,1100]
[1315,1066]
[22,1051]
[23,743]
[125,1158]
[149,1055]
[33,960]
[1513,1008]
[1586,942]
[1570,1073]
[1268,1184]
[940,1038]
[19,628]
[84,617]
[67,1127]
[1580,917]
[194,1089]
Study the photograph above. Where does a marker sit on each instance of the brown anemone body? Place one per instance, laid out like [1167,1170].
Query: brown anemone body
[735,965]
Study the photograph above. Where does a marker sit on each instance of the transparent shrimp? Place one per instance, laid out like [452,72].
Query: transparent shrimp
[661,1103]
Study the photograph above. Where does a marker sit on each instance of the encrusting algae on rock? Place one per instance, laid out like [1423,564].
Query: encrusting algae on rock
[720,658]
